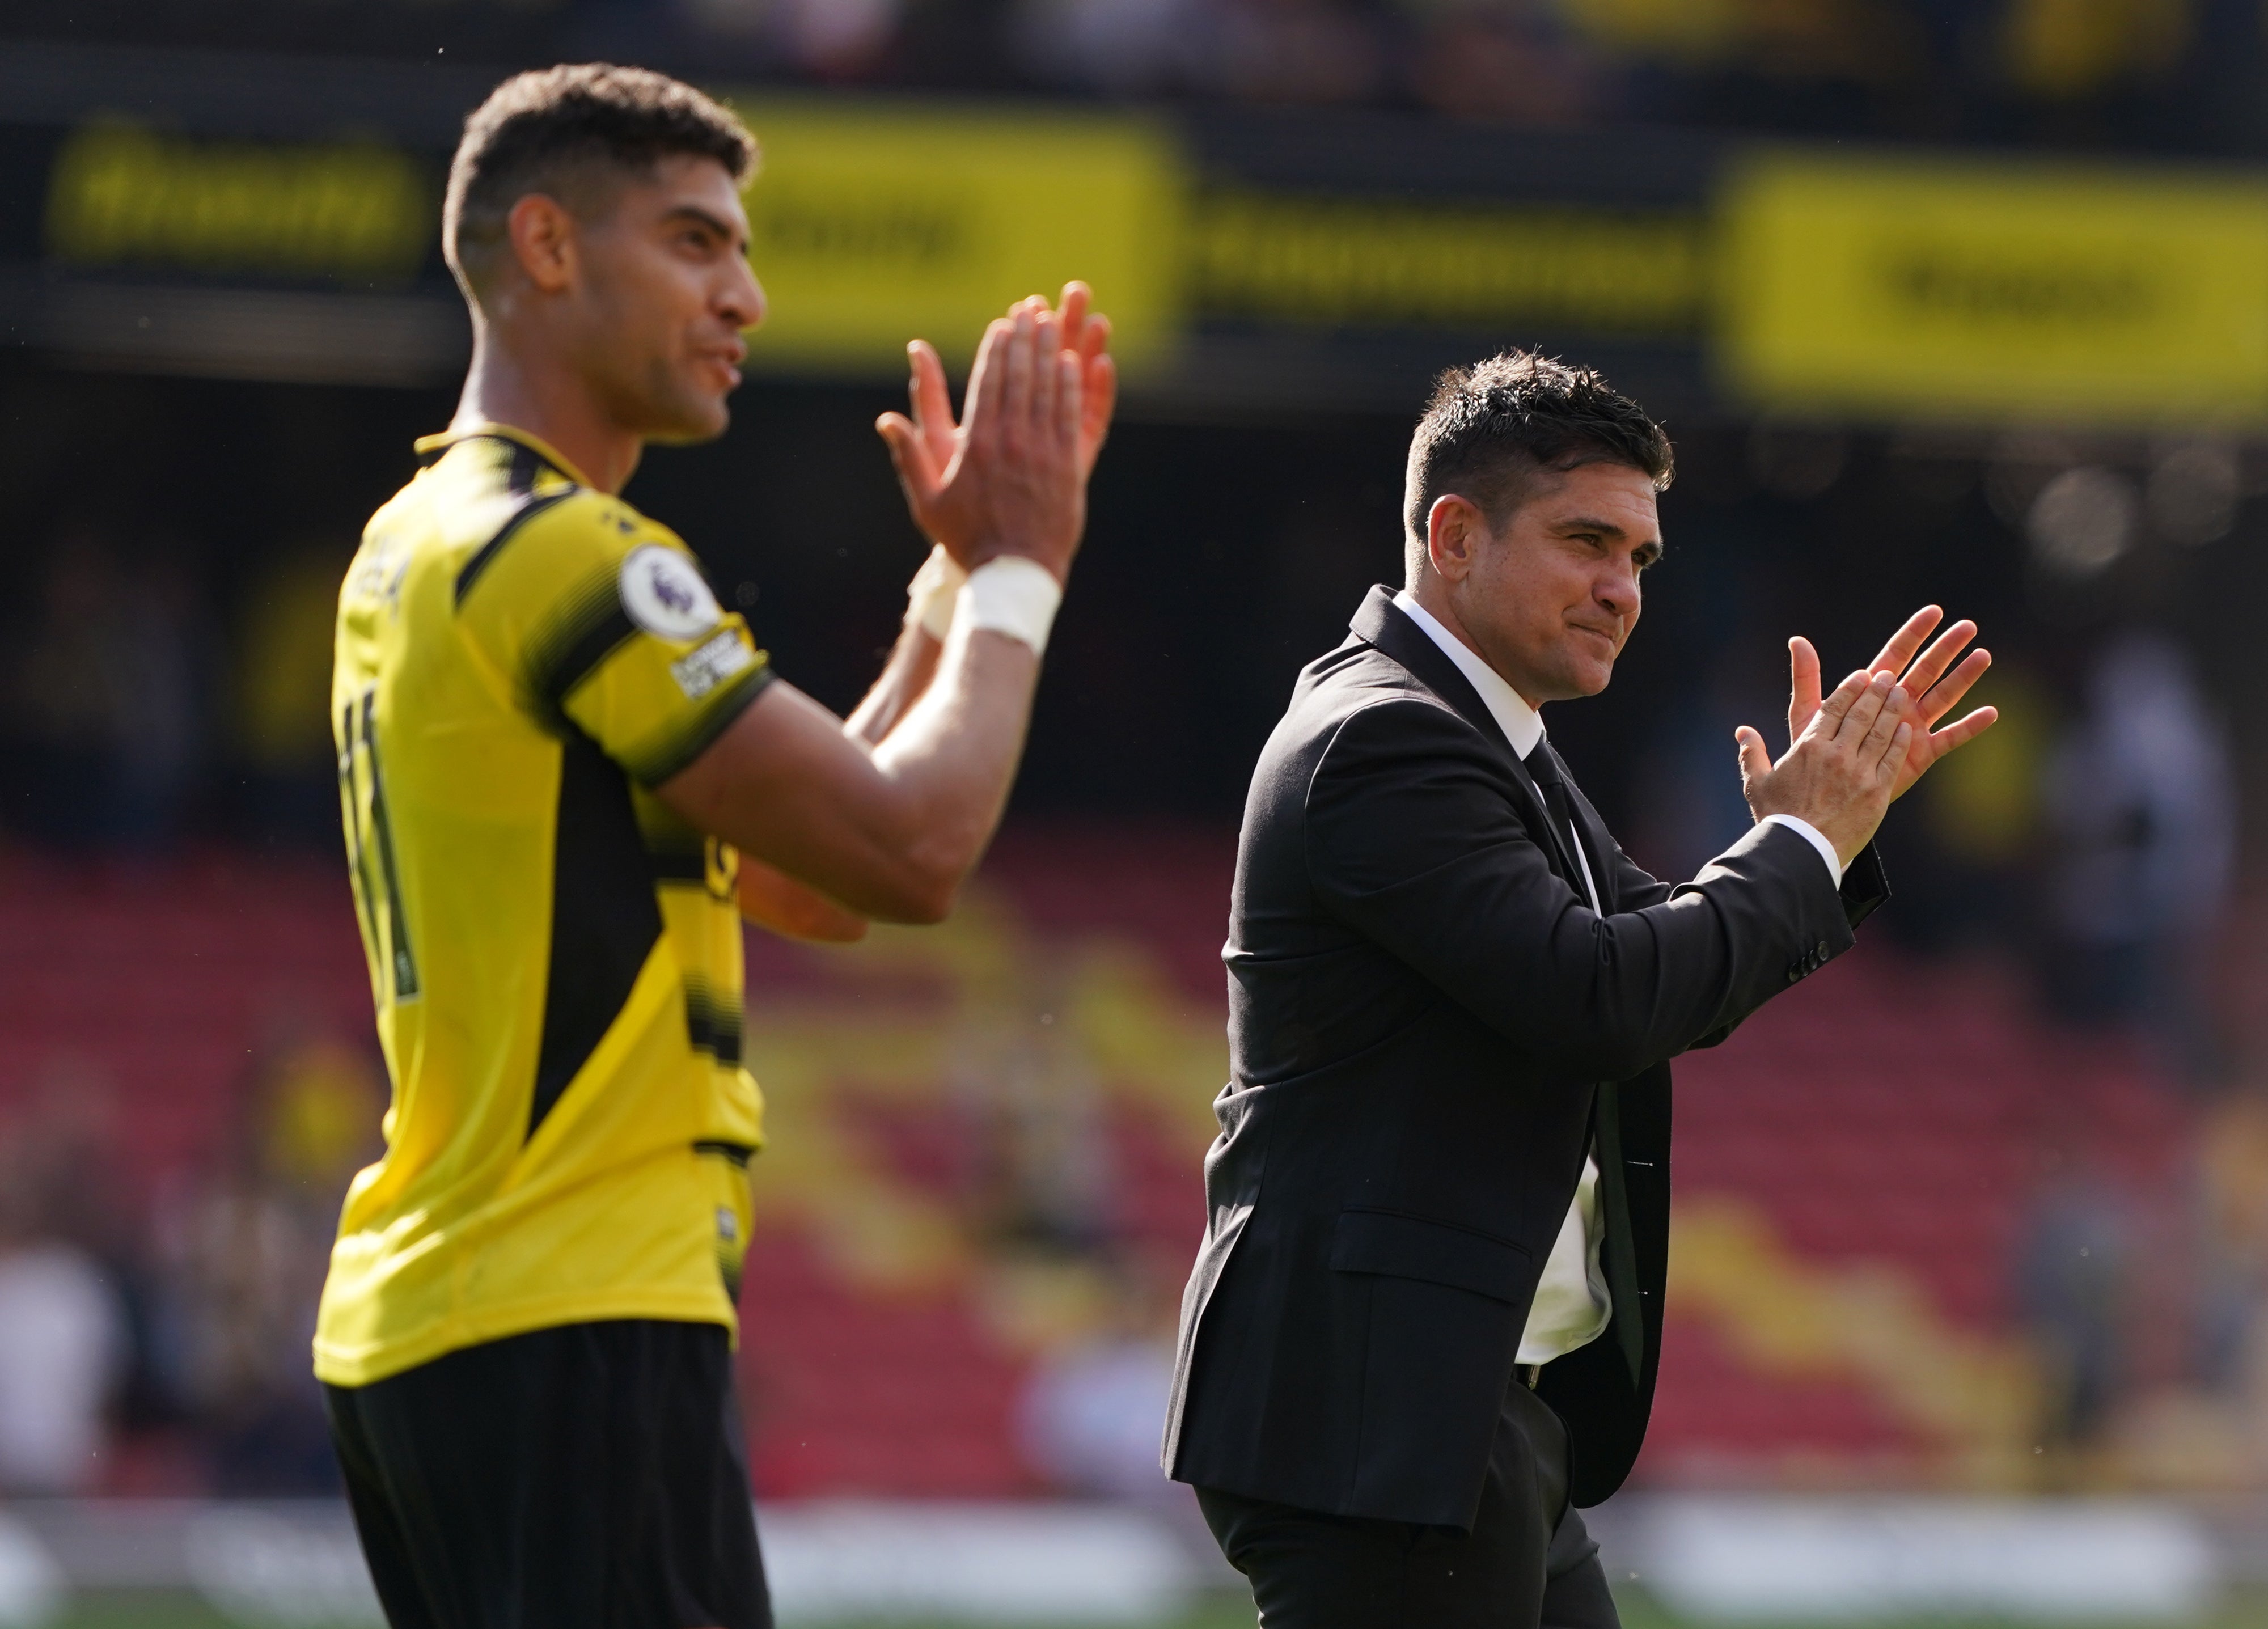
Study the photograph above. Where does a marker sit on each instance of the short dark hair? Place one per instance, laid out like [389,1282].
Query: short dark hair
[544,130]
[1490,428]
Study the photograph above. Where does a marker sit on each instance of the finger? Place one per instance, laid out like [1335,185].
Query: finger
[1756,763]
[933,401]
[1907,640]
[1930,666]
[1837,706]
[1802,684]
[1016,403]
[1047,347]
[983,410]
[1094,337]
[1866,709]
[1961,733]
[1894,750]
[1098,397]
[1945,695]
[1076,300]
[1896,712]
[1070,413]
[916,473]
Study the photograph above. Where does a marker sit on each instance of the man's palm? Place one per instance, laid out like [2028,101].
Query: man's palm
[1924,678]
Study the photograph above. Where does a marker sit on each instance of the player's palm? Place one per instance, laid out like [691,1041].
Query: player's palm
[1924,678]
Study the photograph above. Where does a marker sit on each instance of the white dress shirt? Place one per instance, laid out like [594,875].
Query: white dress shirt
[1571,1306]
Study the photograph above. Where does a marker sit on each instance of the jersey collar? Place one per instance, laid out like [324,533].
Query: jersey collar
[431,448]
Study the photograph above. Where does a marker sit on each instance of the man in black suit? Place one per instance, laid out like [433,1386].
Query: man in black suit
[1424,1322]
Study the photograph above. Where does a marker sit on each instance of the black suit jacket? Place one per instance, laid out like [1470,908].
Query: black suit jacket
[1425,1015]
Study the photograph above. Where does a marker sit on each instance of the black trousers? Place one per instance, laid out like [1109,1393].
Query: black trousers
[588,1476]
[1528,1563]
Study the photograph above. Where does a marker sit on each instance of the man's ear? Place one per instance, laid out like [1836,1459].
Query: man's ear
[1454,528]
[541,234]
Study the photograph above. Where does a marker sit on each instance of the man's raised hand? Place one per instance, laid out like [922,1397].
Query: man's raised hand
[1838,773]
[1010,477]
[1933,691]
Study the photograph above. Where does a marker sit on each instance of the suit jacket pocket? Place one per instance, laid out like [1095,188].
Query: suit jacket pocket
[1397,1246]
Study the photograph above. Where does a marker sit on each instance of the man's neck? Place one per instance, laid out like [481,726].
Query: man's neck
[550,403]
[1431,592]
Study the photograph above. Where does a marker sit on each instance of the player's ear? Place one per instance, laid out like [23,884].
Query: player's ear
[541,234]
[1452,528]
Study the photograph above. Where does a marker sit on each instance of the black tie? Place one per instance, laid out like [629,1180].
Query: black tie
[1543,768]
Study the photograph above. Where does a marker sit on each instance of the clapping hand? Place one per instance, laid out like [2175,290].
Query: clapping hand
[1836,776]
[1011,477]
[1928,687]
[1850,754]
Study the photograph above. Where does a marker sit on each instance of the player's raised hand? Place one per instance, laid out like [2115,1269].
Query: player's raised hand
[1016,481]
[924,446]
[1929,686]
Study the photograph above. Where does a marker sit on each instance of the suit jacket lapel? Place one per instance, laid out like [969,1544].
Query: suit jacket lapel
[1385,625]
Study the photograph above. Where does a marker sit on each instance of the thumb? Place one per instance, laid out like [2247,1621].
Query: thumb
[916,472]
[1756,763]
[931,403]
[1803,689]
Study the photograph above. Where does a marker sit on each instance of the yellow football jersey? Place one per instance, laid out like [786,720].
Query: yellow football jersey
[554,957]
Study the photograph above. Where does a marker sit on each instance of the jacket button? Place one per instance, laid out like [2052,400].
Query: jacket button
[1822,951]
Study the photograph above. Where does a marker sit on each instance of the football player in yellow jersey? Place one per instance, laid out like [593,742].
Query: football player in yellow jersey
[566,773]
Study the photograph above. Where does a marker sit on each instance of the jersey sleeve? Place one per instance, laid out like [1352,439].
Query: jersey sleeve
[603,624]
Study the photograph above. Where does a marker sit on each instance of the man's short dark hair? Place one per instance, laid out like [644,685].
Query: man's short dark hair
[556,130]
[1490,428]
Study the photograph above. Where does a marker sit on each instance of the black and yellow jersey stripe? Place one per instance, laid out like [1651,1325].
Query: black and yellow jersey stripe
[554,957]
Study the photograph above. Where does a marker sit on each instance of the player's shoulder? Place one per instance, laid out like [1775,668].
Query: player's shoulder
[574,526]
[567,544]
[589,550]
[541,538]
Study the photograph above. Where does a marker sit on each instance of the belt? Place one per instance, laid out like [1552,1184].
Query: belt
[1528,1373]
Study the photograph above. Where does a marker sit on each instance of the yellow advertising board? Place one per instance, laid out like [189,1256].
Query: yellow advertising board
[1978,291]
[871,224]
[357,212]
[1891,287]
[1357,262]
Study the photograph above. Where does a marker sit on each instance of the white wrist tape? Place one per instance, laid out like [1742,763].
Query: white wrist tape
[930,597]
[1014,595]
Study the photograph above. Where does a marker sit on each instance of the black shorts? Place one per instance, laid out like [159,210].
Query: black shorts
[588,1477]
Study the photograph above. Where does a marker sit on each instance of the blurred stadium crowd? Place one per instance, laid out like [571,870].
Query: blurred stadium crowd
[2180,75]
[2048,1267]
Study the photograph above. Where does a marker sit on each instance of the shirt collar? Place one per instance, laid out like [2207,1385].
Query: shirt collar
[432,447]
[1522,724]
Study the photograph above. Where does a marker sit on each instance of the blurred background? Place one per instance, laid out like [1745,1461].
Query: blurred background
[1961,300]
